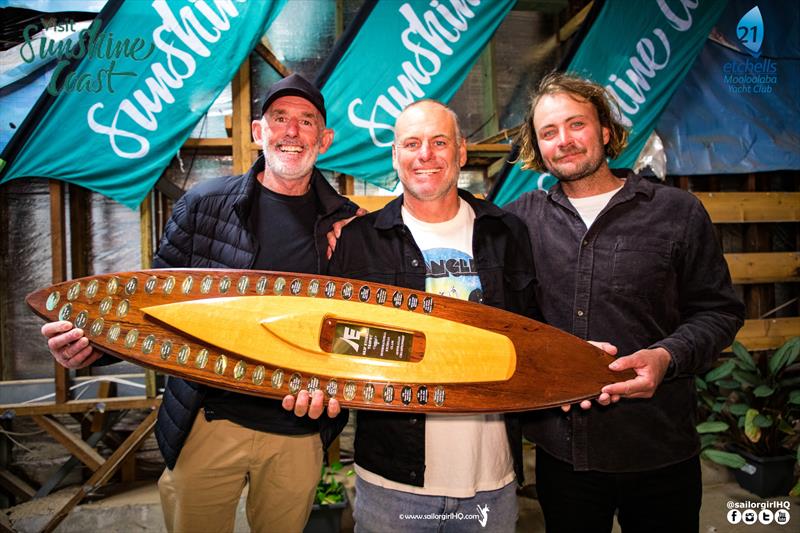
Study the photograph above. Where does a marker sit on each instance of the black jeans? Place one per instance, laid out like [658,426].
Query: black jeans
[667,499]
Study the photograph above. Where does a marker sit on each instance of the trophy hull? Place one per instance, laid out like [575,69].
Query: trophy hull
[368,345]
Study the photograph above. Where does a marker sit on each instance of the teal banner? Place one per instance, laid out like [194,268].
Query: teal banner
[641,55]
[404,52]
[144,77]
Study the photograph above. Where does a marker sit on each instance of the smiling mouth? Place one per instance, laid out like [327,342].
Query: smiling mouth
[566,156]
[290,148]
[427,171]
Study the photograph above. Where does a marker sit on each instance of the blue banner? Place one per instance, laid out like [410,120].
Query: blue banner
[146,72]
[403,52]
[641,56]
[737,110]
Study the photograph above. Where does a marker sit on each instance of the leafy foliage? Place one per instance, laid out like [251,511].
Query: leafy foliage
[752,404]
[329,489]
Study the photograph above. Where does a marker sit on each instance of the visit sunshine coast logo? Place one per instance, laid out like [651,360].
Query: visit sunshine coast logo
[756,74]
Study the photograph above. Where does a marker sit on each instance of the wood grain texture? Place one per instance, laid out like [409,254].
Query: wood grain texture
[551,368]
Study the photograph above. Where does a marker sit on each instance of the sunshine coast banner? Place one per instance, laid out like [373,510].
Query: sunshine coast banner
[641,55]
[128,89]
[394,54]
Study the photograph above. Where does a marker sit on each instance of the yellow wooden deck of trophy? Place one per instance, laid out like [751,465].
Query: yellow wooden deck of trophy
[371,346]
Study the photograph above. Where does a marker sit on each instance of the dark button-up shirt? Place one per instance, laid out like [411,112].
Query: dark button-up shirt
[649,272]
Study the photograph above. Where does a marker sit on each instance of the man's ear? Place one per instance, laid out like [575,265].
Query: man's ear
[258,130]
[462,153]
[394,157]
[326,140]
[606,135]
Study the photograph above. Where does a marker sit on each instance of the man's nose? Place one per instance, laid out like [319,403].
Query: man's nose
[425,152]
[292,127]
[564,137]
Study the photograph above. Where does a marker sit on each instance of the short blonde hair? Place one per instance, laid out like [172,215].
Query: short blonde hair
[581,90]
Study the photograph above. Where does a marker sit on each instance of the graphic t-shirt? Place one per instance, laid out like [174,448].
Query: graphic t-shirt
[464,454]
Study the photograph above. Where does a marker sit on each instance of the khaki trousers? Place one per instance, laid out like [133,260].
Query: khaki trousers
[202,492]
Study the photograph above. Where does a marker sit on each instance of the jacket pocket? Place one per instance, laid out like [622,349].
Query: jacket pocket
[641,266]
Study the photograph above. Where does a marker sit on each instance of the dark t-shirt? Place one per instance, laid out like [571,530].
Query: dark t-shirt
[284,226]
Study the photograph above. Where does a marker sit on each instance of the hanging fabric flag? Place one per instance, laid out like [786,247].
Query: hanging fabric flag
[641,56]
[394,54]
[127,91]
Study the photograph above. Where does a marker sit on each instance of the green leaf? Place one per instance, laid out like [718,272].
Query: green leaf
[707,440]
[733,460]
[717,407]
[751,430]
[712,427]
[763,421]
[795,492]
[738,409]
[730,384]
[743,356]
[783,355]
[722,371]
[794,397]
[700,384]
[747,378]
[789,382]
[762,391]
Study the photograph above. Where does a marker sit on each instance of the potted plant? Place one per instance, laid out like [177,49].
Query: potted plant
[330,502]
[751,412]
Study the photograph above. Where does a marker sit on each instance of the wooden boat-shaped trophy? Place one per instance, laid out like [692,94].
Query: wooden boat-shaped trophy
[368,345]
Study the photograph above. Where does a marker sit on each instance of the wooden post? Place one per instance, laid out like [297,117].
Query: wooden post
[59,269]
[146,238]
[242,156]
[489,81]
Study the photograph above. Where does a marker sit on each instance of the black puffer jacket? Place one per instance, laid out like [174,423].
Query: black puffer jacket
[209,229]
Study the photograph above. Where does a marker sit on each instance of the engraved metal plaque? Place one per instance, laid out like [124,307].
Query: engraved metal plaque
[239,370]
[349,391]
[150,285]
[278,286]
[242,284]
[148,344]
[122,308]
[105,305]
[202,357]
[380,296]
[166,350]
[331,388]
[295,382]
[406,395]
[205,284]
[130,287]
[397,299]
[261,285]
[388,393]
[369,341]
[413,302]
[438,396]
[65,312]
[224,284]
[363,293]
[277,379]
[92,288]
[186,286]
[295,286]
[369,392]
[330,289]
[313,288]
[82,319]
[73,291]
[97,327]
[313,384]
[259,373]
[427,304]
[347,291]
[131,337]
[112,286]
[183,354]
[52,300]
[169,284]
[113,333]
[221,364]
[422,395]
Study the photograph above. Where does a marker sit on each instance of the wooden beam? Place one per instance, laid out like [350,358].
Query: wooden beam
[58,262]
[74,444]
[767,267]
[489,83]
[766,334]
[21,490]
[739,207]
[241,118]
[268,56]
[574,23]
[79,406]
[104,473]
